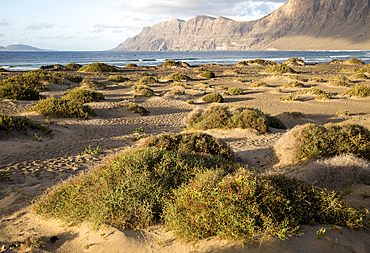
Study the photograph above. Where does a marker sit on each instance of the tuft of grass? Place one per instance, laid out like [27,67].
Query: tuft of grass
[262,62]
[339,81]
[83,96]
[317,79]
[361,90]
[361,76]
[98,67]
[137,109]
[312,140]
[213,98]
[229,117]
[355,61]
[290,97]
[256,84]
[200,69]
[320,93]
[33,242]
[115,78]
[278,69]
[143,90]
[343,113]
[293,84]
[92,84]
[129,192]
[246,207]
[70,77]
[62,108]
[178,77]
[235,91]
[168,63]
[295,60]
[130,65]
[15,91]
[298,78]
[5,175]
[192,143]
[190,102]
[10,123]
[147,79]
[73,65]
[208,75]
[92,151]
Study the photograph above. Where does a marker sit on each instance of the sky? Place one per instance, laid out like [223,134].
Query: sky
[96,25]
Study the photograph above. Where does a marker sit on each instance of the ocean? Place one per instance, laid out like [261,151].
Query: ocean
[20,61]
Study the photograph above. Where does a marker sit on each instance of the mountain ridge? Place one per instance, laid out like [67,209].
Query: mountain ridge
[325,25]
[21,47]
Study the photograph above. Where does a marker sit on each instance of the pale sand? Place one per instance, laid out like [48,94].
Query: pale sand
[38,165]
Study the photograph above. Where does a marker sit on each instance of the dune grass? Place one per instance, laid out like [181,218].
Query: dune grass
[229,117]
[278,69]
[98,67]
[83,96]
[235,91]
[178,77]
[70,77]
[361,90]
[137,109]
[213,98]
[208,74]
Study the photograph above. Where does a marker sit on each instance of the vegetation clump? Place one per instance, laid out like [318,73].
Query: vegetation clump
[295,61]
[10,123]
[130,191]
[115,78]
[213,98]
[98,67]
[235,91]
[295,84]
[278,69]
[62,108]
[178,77]
[14,91]
[298,78]
[290,97]
[229,117]
[320,93]
[262,62]
[355,61]
[339,81]
[247,207]
[147,79]
[137,109]
[171,63]
[361,90]
[143,90]
[193,143]
[92,84]
[130,65]
[256,84]
[208,74]
[83,96]
[312,140]
[67,76]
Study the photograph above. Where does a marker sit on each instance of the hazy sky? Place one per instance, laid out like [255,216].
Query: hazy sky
[102,25]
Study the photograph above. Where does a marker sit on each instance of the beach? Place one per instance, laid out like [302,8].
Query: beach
[37,165]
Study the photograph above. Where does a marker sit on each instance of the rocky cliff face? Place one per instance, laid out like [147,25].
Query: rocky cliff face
[297,25]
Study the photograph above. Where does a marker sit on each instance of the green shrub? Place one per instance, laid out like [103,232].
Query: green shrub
[168,63]
[290,97]
[361,90]
[247,207]
[129,192]
[137,109]
[130,65]
[298,78]
[278,69]
[10,123]
[294,84]
[3,70]
[73,65]
[92,84]
[98,67]
[178,77]
[317,79]
[359,76]
[62,108]
[14,91]
[83,96]
[147,79]
[190,102]
[194,143]
[339,81]
[259,84]
[213,98]
[208,74]
[235,91]
[70,77]
[294,60]
[143,90]
[262,62]
[320,94]
[200,69]
[330,140]
[118,78]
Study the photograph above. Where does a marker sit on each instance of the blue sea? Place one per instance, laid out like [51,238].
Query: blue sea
[19,61]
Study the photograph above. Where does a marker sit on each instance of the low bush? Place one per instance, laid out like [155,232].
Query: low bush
[130,191]
[118,78]
[256,84]
[262,62]
[293,84]
[361,90]
[143,90]
[320,93]
[290,97]
[213,98]
[3,70]
[92,84]
[317,79]
[355,61]
[247,207]
[278,69]
[130,65]
[200,69]
[10,123]
[295,61]
[208,74]
[137,109]
[168,63]
[98,67]
[194,143]
[147,79]
[178,77]
[67,76]
[62,108]
[73,65]
[229,117]
[236,91]
[339,81]
[298,78]
[14,91]
[83,96]
[312,140]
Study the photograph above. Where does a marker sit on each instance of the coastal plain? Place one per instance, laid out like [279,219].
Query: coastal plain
[35,166]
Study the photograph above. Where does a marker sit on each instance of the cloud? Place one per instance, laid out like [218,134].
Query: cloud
[2,35]
[207,7]
[36,26]
[57,37]
[92,37]
[3,22]
[101,27]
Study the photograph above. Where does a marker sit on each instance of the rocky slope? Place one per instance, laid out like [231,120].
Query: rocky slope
[297,25]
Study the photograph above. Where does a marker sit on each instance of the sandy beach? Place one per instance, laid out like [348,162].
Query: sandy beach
[38,165]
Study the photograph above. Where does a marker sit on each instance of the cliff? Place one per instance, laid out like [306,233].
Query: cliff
[297,25]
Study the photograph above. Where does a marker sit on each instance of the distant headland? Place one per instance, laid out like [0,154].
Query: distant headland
[21,47]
